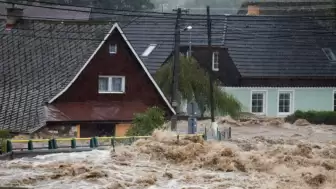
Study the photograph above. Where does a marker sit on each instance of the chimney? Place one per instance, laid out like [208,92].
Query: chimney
[13,16]
[253,10]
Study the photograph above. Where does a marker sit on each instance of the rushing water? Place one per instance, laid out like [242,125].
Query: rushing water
[258,157]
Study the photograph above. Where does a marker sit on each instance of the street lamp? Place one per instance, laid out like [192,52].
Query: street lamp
[188,28]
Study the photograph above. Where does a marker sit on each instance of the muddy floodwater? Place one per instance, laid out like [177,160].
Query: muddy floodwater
[259,156]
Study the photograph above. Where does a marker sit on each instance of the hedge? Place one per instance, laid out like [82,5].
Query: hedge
[314,117]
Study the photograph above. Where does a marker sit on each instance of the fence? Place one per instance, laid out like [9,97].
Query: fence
[75,143]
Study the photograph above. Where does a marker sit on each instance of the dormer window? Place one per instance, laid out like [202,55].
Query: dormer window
[329,53]
[215,61]
[113,49]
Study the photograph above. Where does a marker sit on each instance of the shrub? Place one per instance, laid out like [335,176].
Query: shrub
[315,117]
[4,135]
[145,123]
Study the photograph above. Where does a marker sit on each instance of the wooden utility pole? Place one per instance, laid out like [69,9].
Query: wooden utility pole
[176,70]
[212,104]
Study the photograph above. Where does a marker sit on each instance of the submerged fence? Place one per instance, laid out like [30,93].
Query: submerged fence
[33,147]
[75,143]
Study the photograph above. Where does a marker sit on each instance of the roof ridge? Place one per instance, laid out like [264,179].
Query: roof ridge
[115,26]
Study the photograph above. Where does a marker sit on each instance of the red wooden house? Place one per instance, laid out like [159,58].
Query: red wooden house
[95,91]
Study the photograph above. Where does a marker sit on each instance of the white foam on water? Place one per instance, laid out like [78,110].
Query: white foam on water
[274,159]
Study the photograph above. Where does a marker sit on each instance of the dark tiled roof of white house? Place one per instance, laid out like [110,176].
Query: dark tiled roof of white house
[260,46]
[40,58]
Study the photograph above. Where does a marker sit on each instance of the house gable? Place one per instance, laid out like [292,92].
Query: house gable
[140,86]
[227,73]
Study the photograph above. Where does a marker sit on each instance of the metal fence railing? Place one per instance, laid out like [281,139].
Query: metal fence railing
[76,143]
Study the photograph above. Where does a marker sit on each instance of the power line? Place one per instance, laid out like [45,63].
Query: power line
[165,33]
[248,20]
[164,15]
[100,8]
[307,7]
[89,12]
[216,40]
[196,38]
[294,8]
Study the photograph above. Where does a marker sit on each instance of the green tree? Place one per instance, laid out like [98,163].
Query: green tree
[145,123]
[194,85]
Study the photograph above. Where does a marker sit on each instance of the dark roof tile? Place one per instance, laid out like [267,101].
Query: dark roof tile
[259,45]
[36,64]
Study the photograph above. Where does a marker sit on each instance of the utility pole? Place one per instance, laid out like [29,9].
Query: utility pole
[176,70]
[214,125]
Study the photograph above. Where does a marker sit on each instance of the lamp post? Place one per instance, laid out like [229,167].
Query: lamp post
[188,28]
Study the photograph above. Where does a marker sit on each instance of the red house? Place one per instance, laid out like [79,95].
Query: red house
[101,96]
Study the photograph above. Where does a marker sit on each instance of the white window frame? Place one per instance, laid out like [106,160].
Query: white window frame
[109,84]
[265,97]
[333,57]
[291,102]
[113,48]
[216,53]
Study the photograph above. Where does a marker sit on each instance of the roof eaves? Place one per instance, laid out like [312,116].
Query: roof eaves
[115,26]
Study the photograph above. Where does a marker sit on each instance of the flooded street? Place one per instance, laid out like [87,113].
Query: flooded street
[257,157]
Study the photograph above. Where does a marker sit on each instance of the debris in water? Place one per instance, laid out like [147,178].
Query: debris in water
[168,175]
[301,122]
[147,180]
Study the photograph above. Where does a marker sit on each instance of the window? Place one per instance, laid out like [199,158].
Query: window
[329,53]
[258,102]
[113,49]
[285,102]
[334,100]
[149,50]
[111,84]
[215,61]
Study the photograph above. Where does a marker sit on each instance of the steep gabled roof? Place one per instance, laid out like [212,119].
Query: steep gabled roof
[260,46]
[115,27]
[38,60]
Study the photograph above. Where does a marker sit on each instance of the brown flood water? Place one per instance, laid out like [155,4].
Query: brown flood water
[258,157]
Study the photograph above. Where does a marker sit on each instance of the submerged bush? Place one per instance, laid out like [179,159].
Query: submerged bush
[315,117]
[145,123]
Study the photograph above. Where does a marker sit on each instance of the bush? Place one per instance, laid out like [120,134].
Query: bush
[4,135]
[315,117]
[145,123]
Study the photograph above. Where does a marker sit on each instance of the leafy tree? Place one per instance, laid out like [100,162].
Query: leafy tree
[145,123]
[194,85]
